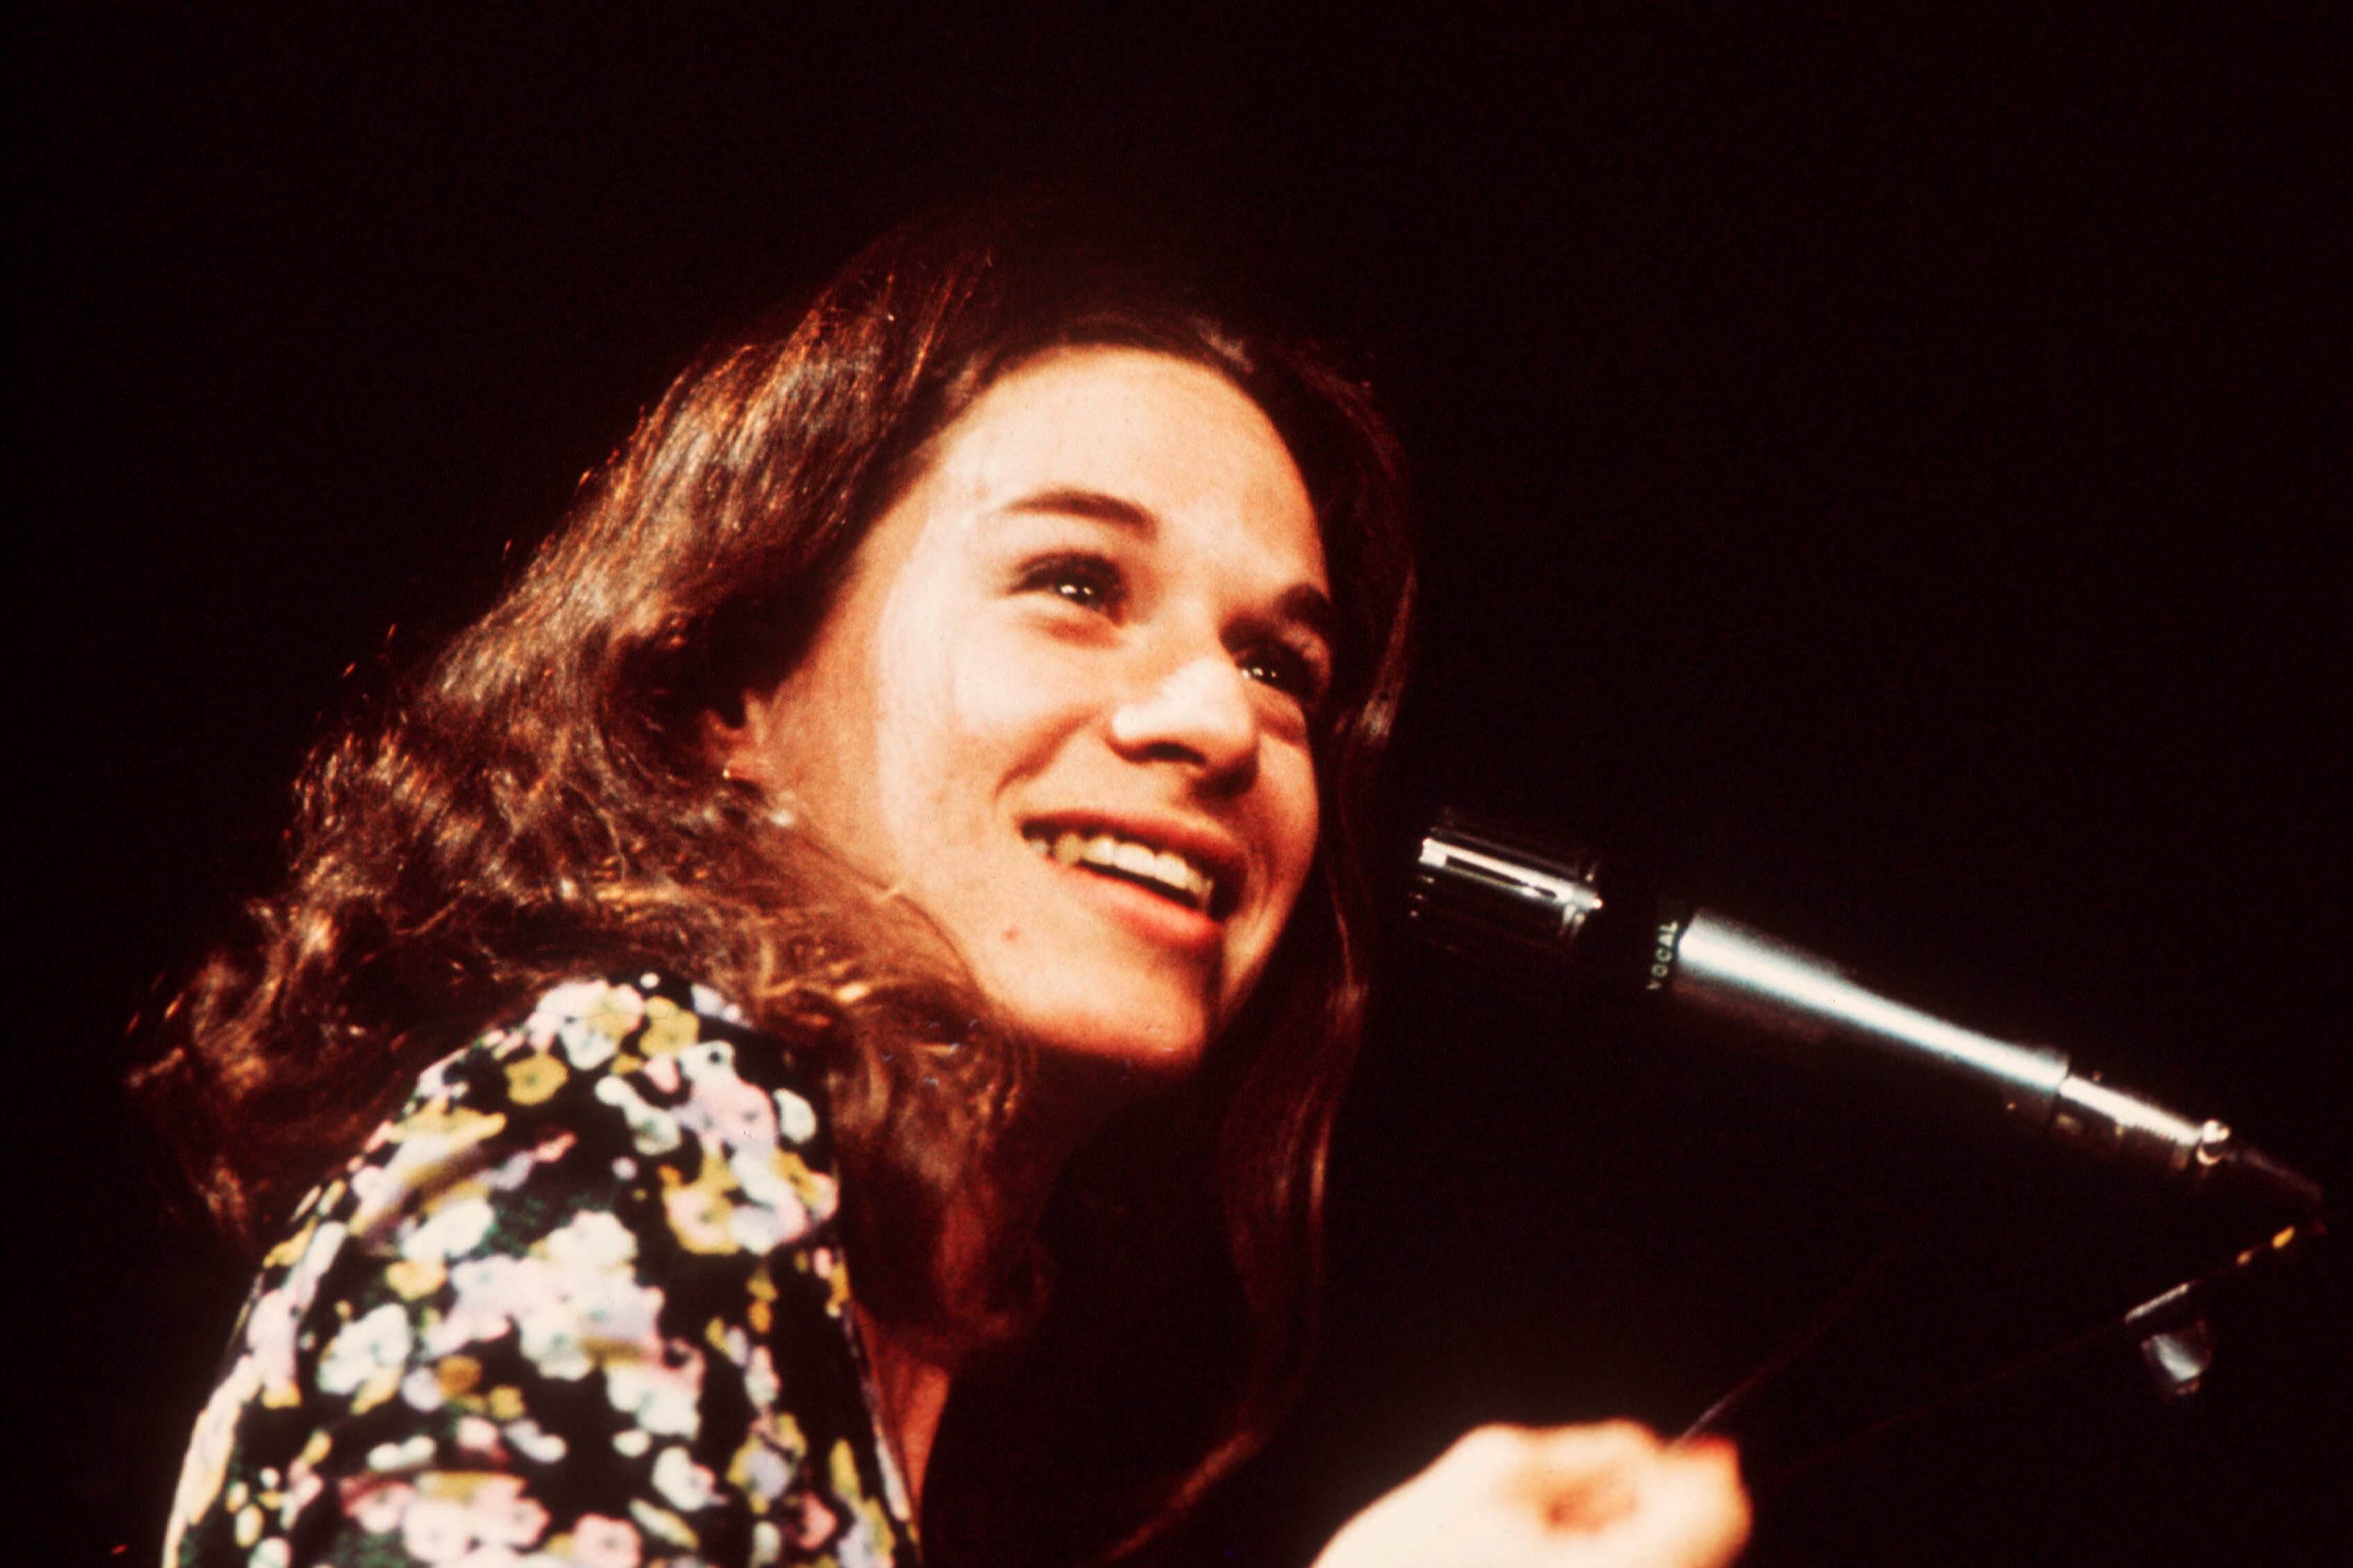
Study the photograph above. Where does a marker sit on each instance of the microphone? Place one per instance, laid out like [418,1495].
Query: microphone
[1542,917]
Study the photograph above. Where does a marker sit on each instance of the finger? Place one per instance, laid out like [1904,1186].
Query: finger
[1595,1444]
[1554,1477]
[1690,1510]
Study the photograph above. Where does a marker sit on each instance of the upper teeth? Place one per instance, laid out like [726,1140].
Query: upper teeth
[1165,867]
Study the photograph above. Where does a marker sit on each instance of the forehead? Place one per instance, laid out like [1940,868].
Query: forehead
[1173,440]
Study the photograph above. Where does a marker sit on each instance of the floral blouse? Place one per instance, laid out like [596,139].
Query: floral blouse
[581,1301]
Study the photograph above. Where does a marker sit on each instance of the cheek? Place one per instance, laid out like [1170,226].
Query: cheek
[962,715]
[1014,697]
[1292,824]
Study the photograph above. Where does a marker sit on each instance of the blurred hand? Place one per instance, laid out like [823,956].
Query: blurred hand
[1609,1496]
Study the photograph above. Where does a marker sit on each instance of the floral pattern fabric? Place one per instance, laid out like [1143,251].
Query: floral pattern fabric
[581,1301]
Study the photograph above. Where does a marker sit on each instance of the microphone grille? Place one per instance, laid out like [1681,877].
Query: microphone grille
[1497,899]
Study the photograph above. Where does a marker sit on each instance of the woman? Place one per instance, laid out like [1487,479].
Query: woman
[873,912]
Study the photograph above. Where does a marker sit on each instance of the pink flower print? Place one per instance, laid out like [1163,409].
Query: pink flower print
[727,1106]
[376,1505]
[598,1541]
[500,1513]
[662,1073]
[817,1523]
[616,1010]
[302,1485]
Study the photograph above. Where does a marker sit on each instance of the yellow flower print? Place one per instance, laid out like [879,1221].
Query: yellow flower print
[434,1152]
[472,1281]
[532,1079]
[760,1315]
[700,1211]
[458,1375]
[286,1252]
[415,1278]
[668,1027]
[616,1012]
[663,1525]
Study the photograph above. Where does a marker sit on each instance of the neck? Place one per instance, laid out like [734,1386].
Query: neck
[1066,1099]
[913,1391]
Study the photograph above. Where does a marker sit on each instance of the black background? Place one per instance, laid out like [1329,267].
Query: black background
[1890,469]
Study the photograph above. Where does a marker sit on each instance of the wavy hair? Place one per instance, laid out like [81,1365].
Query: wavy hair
[539,802]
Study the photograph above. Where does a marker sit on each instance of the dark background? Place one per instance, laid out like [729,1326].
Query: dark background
[1889,470]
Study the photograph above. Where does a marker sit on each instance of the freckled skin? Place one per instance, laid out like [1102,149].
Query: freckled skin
[960,689]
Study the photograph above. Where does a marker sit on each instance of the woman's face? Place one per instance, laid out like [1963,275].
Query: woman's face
[1064,701]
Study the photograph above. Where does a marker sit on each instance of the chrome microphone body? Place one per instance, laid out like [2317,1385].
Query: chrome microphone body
[1543,914]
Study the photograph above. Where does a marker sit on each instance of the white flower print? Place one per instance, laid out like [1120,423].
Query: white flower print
[209,1449]
[664,1399]
[368,1357]
[450,1228]
[653,1131]
[565,1004]
[679,1478]
[435,1529]
[491,1280]
[592,1242]
[796,1116]
[766,1175]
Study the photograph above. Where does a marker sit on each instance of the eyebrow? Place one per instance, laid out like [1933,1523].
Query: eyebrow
[1304,605]
[1070,502]
[1311,608]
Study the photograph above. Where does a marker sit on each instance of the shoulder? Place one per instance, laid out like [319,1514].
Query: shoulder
[594,1254]
[641,1084]
[680,1051]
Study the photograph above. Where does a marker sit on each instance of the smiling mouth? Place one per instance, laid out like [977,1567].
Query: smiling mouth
[1161,871]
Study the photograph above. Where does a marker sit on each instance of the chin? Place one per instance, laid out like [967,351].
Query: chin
[1152,1037]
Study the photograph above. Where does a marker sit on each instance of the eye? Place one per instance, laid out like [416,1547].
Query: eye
[1090,582]
[1289,669]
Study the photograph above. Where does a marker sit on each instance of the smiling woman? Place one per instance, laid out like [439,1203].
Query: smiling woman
[1084,630]
[917,796]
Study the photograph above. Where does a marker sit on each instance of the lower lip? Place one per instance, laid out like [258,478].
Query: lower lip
[1157,920]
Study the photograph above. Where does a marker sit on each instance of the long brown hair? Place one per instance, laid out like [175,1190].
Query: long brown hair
[538,804]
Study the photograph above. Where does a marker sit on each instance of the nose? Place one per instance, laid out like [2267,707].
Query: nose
[1198,714]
